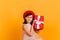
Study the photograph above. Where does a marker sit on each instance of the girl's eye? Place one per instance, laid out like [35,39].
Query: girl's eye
[29,17]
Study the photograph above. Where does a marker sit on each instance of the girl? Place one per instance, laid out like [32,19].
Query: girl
[28,31]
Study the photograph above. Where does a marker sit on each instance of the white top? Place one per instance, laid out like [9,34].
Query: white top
[27,37]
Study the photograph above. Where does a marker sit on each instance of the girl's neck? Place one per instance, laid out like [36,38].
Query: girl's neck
[28,23]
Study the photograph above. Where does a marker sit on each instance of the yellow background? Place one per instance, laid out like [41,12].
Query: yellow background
[11,18]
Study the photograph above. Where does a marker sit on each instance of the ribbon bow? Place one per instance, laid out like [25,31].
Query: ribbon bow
[38,22]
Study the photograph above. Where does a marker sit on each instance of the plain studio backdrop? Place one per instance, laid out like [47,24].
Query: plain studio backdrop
[11,18]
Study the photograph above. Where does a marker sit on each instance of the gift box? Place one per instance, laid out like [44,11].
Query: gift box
[38,23]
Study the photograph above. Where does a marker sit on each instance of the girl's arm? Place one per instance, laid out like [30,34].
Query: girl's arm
[27,31]
[34,31]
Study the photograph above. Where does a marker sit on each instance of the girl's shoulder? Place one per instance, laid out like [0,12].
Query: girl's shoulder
[24,24]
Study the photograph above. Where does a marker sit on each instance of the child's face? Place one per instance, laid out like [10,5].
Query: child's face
[29,18]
